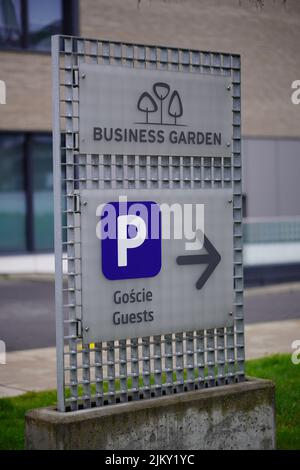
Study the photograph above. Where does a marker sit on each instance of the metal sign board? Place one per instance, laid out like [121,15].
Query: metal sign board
[153,112]
[155,284]
[165,112]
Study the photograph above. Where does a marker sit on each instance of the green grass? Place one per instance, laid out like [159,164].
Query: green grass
[12,412]
[286,377]
[278,368]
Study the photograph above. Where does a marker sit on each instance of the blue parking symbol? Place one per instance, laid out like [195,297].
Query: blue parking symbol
[131,240]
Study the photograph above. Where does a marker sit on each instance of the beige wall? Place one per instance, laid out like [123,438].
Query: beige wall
[28,91]
[268,41]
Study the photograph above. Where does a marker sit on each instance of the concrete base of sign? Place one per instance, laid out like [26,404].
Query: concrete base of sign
[237,416]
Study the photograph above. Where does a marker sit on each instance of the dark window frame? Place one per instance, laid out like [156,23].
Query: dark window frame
[27,167]
[70,26]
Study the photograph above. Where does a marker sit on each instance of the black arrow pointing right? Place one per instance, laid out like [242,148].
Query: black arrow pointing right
[212,259]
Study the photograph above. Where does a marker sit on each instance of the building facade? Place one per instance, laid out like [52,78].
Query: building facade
[268,40]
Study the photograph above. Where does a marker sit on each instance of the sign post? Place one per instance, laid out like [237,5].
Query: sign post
[148,221]
[149,273]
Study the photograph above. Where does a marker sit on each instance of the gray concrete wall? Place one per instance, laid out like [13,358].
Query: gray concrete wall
[237,416]
[267,39]
[271,169]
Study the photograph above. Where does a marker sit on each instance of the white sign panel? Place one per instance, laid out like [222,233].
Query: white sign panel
[148,268]
[153,112]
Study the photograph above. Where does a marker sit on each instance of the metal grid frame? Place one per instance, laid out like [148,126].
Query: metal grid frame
[137,368]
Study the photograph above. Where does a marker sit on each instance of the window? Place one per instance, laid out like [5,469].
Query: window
[26,192]
[10,23]
[44,20]
[40,150]
[12,193]
[29,24]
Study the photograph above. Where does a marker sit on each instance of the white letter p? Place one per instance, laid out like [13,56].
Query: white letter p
[125,243]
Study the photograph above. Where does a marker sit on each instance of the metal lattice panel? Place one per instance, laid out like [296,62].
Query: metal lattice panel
[138,368]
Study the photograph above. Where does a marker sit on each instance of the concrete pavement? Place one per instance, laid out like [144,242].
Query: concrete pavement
[34,370]
[29,370]
[264,339]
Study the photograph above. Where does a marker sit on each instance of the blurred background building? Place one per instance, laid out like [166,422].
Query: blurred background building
[268,40]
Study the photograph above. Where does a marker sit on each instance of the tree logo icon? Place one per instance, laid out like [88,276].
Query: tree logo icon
[175,106]
[148,105]
[161,90]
